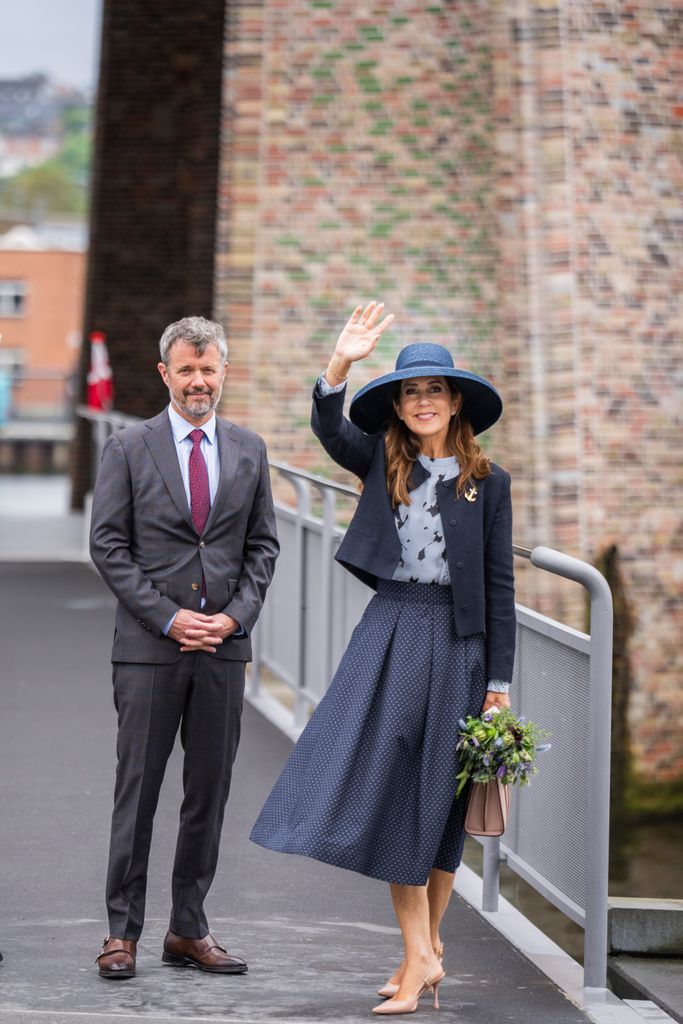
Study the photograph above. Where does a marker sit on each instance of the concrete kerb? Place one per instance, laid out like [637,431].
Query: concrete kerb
[551,959]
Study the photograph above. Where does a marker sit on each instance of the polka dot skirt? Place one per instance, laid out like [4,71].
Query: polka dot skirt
[370,785]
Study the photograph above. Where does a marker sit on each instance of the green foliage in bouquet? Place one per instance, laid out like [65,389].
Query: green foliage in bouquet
[499,745]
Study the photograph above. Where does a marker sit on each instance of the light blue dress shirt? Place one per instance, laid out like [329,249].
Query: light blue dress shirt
[181,430]
[183,445]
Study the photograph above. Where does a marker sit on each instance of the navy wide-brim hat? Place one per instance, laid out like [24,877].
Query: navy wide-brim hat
[372,407]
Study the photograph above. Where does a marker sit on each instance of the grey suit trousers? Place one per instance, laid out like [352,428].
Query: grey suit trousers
[202,696]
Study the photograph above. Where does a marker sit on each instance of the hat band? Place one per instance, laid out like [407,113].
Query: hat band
[423,362]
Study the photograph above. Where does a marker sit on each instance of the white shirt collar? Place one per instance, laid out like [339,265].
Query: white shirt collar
[181,428]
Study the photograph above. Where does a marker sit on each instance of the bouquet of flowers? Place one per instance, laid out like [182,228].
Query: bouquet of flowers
[499,745]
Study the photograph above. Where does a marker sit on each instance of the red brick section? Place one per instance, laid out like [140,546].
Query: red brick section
[154,189]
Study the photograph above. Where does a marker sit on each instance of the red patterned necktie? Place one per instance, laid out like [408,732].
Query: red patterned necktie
[200,500]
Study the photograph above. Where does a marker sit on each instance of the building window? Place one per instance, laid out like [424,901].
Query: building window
[12,298]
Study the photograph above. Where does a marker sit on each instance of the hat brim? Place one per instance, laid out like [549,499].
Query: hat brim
[372,407]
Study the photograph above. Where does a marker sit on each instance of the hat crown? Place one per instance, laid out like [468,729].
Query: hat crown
[424,353]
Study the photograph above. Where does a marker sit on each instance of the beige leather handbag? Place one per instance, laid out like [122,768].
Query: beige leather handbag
[487,808]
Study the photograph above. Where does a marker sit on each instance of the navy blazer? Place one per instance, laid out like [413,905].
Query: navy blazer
[478,534]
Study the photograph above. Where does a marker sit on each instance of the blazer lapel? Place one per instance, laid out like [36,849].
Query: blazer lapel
[418,475]
[161,445]
[229,456]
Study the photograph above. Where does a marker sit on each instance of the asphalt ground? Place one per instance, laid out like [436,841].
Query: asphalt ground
[318,940]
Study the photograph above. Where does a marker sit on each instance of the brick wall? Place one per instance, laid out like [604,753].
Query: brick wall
[626,126]
[590,128]
[342,180]
[507,177]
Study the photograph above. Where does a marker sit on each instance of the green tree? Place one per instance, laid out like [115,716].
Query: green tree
[38,191]
[60,185]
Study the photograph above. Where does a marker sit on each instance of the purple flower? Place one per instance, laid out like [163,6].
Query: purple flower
[501,772]
[475,741]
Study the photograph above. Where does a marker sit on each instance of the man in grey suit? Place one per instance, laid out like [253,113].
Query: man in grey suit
[183,532]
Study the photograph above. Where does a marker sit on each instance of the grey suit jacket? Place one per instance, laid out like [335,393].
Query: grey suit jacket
[144,543]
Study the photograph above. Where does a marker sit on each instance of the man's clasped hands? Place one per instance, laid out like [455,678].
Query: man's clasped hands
[195,631]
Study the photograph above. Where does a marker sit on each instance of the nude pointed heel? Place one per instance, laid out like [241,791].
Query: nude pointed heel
[391,988]
[433,979]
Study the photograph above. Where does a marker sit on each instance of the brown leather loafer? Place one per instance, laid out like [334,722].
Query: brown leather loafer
[117,959]
[204,954]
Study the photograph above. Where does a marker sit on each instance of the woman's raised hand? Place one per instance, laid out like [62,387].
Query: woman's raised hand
[357,340]
[361,333]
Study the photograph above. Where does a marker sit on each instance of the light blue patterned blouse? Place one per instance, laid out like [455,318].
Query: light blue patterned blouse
[423,548]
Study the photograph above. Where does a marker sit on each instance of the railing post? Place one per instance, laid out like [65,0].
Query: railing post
[100,431]
[490,874]
[326,566]
[303,509]
[600,719]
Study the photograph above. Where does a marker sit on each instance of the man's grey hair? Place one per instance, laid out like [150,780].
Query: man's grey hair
[197,331]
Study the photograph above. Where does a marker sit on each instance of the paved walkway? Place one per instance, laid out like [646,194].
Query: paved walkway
[35,520]
[318,940]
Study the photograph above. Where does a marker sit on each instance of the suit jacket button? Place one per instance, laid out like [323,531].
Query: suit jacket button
[463,607]
[458,565]
[453,521]
[202,544]
[195,586]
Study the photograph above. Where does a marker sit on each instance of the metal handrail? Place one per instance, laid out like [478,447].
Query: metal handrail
[599,645]
[110,418]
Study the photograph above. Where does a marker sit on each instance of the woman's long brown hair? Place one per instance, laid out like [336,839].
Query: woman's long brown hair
[402,448]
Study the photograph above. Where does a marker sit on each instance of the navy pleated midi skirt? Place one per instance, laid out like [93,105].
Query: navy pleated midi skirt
[370,785]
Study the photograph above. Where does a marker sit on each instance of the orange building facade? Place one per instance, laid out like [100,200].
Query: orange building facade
[41,312]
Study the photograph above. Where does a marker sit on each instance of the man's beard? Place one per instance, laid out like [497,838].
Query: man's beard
[203,403]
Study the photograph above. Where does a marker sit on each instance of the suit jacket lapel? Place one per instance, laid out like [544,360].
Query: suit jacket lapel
[228,455]
[159,440]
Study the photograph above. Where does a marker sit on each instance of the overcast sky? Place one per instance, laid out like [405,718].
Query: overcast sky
[59,37]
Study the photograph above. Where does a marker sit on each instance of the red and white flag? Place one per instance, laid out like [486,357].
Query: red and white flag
[100,384]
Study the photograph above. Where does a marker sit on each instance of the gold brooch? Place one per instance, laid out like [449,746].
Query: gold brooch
[471,495]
